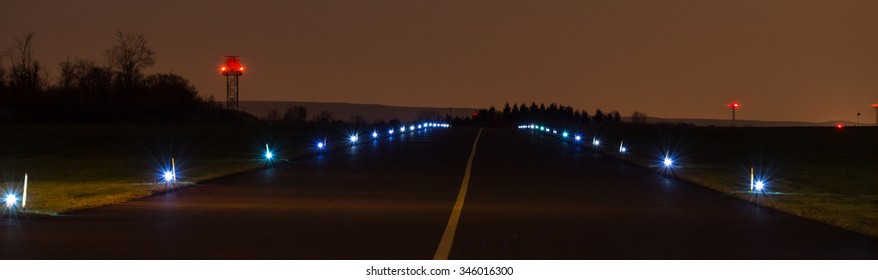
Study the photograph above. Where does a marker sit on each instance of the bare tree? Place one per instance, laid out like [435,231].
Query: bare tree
[130,56]
[295,114]
[2,74]
[25,75]
[68,75]
[323,117]
[638,117]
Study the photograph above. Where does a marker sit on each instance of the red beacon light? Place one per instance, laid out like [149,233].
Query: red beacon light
[735,105]
[839,125]
[232,67]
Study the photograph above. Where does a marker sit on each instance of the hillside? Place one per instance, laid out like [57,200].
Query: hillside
[347,111]
[376,112]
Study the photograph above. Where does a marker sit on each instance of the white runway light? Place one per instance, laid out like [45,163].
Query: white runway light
[668,162]
[760,185]
[374,134]
[577,138]
[354,138]
[564,134]
[168,176]
[595,142]
[390,131]
[321,145]
[11,200]
[402,129]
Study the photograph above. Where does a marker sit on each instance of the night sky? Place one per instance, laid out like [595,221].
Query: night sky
[783,60]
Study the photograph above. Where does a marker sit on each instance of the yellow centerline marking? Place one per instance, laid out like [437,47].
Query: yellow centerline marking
[448,236]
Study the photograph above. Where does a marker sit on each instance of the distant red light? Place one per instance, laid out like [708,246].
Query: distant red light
[232,67]
[475,113]
[839,126]
[735,105]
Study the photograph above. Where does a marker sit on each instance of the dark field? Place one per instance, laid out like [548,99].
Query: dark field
[74,167]
[822,173]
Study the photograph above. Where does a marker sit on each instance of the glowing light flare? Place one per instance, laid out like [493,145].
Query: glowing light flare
[321,145]
[374,134]
[759,185]
[402,129]
[412,127]
[390,131]
[595,142]
[564,134]
[11,199]
[735,105]
[839,125]
[354,138]
[268,154]
[577,138]
[168,176]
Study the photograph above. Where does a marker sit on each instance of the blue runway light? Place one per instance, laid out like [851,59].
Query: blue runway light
[402,129]
[564,134]
[668,162]
[354,138]
[412,127]
[390,131]
[321,145]
[268,154]
[577,138]
[374,134]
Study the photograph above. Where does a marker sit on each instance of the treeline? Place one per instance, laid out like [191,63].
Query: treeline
[88,91]
[554,115]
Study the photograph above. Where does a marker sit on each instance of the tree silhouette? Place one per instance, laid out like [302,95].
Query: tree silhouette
[25,75]
[129,56]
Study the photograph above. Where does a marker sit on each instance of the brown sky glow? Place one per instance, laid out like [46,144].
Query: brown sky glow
[783,60]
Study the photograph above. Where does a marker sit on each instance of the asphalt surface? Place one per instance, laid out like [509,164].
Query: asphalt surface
[530,196]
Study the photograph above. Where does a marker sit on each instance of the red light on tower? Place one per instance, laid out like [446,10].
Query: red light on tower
[232,69]
[839,126]
[734,107]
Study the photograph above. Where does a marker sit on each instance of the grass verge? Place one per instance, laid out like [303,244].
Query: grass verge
[820,173]
[77,167]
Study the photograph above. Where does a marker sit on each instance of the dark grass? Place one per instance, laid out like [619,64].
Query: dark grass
[822,173]
[75,167]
